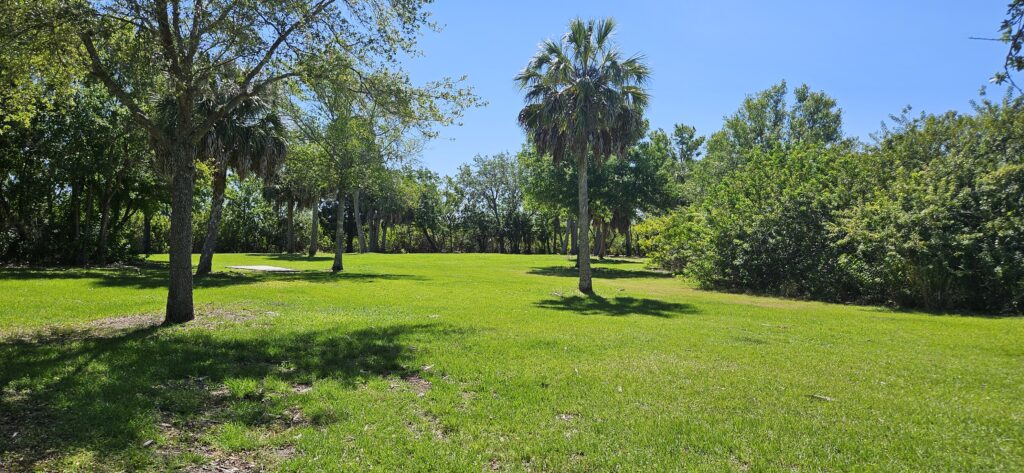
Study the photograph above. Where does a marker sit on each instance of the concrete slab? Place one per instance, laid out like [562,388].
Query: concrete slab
[266,269]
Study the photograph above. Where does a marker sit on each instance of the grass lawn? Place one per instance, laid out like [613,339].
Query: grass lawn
[490,362]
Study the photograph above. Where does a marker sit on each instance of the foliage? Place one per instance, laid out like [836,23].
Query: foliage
[928,216]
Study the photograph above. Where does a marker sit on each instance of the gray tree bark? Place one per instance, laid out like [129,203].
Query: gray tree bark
[179,291]
[147,234]
[583,258]
[629,239]
[339,234]
[314,233]
[220,179]
[571,228]
[359,221]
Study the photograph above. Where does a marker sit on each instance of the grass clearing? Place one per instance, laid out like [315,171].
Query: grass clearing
[477,362]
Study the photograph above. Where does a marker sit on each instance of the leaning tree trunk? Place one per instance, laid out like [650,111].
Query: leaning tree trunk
[179,293]
[359,221]
[314,233]
[339,234]
[220,179]
[583,259]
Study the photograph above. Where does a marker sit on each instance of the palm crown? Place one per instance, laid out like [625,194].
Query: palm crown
[582,96]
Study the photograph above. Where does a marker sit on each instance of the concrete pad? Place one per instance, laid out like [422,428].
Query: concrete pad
[266,269]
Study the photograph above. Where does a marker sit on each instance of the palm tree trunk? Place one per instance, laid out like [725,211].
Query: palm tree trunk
[583,259]
[339,234]
[383,236]
[179,291]
[359,221]
[314,233]
[220,179]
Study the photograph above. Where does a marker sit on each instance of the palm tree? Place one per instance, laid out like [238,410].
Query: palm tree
[250,140]
[583,101]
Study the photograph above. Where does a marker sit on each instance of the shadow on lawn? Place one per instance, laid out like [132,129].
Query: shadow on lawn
[155,276]
[598,272]
[109,395]
[617,307]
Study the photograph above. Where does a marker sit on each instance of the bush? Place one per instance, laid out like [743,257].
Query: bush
[930,216]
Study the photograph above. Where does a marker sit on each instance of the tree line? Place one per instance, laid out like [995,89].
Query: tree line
[132,127]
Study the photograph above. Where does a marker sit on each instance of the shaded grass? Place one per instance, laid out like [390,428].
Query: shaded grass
[470,362]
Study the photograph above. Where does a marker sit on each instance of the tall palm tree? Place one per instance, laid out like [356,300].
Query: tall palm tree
[584,100]
[250,140]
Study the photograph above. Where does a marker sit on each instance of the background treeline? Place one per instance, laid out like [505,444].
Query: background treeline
[930,214]
[81,185]
[779,201]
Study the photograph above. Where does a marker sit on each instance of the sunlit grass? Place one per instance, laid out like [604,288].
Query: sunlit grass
[471,362]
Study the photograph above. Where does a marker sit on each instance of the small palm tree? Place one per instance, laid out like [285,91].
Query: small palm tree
[583,101]
[250,140]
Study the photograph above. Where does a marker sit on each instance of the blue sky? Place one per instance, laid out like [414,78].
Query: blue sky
[874,57]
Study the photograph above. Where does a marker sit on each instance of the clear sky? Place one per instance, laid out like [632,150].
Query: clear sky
[873,56]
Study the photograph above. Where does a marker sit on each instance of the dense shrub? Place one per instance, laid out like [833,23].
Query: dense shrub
[928,216]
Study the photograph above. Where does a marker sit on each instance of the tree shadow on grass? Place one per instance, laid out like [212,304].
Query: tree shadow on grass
[617,307]
[599,272]
[109,394]
[155,276]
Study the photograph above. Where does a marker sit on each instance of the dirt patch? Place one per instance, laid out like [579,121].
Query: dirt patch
[413,382]
[130,322]
[207,317]
[224,463]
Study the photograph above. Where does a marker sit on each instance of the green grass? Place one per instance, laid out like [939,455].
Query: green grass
[479,362]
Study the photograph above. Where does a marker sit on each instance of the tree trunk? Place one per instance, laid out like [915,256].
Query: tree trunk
[583,259]
[314,233]
[383,237]
[101,244]
[220,182]
[629,239]
[430,240]
[359,221]
[573,228]
[374,232]
[76,224]
[601,233]
[147,234]
[339,234]
[566,238]
[290,230]
[179,293]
